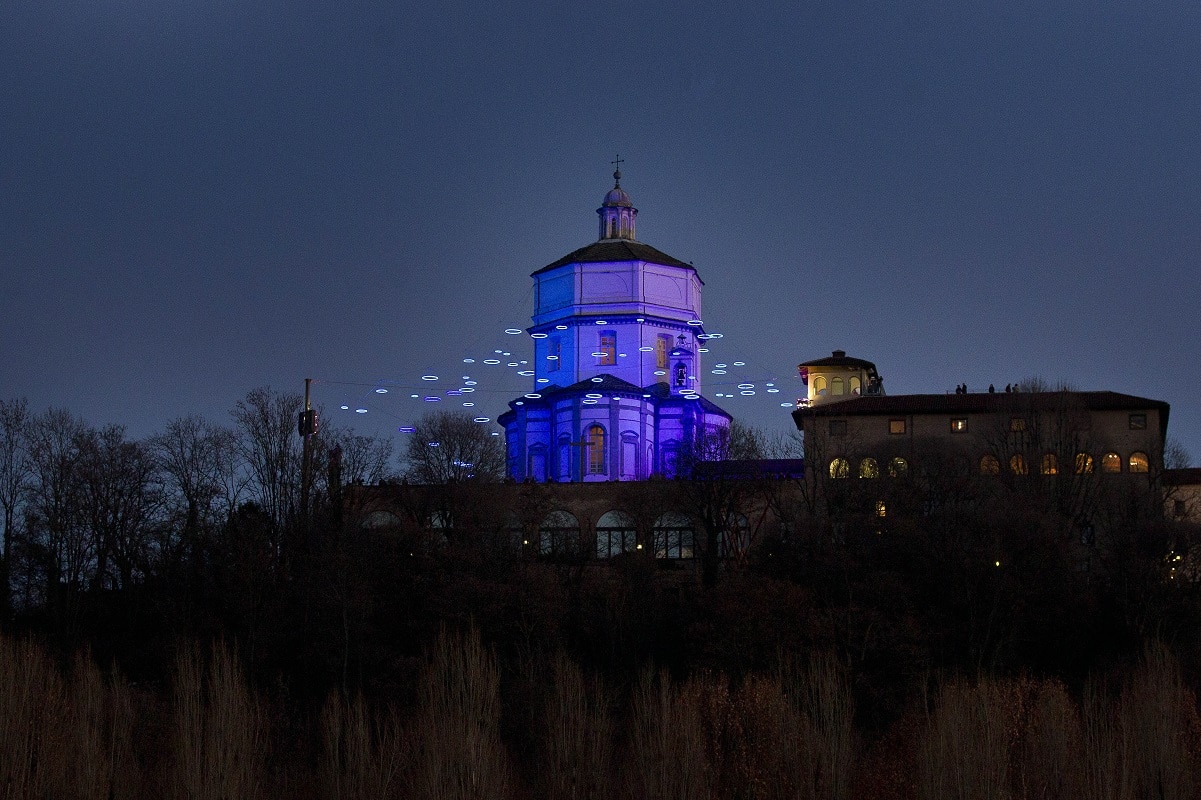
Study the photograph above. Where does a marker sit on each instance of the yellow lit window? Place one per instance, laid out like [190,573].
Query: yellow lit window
[868,468]
[881,509]
[839,468]
[1111,463]
[1139,462]
[989,465]
[1017,464]
[607,353]
[1017,424]
[959,425]
[596,450]
[1050,464]
[896,426]
[898,468]
[1084,464]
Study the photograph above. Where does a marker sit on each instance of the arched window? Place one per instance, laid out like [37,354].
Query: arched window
[898,468]
[836,386]
[1111,463]
[868,468]
[673,536]
[989,465]
[1017,464]
[616,533]
[856,385]
[1049,465]
[596,450]
[819,384]
[1084,464]
[839,468]
[1139,462]
[559,534]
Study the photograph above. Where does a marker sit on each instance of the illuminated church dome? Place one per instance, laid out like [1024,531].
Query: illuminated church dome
[617,345]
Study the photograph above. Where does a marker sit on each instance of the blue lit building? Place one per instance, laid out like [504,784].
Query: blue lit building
[617,338]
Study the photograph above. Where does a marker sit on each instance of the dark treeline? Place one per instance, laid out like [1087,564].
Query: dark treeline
[139,550]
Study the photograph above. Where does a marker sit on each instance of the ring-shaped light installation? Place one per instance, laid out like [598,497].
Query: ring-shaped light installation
[469,361]
[589,402]
[429,377]
[747,392]
[601,322]
[537,335]
[513,364]
[695,322]
[381,391]
[594,395]
[467,389]
[746,386]
[526,373]
[646,349]
[560,327]
[599,354]
[533,396]
[718,371]
[492,361]
[598,380]
[482,419]
[344,408]
[469,405]
[740,363]
[552,358]
[360,411]
[513,331]
[407,429]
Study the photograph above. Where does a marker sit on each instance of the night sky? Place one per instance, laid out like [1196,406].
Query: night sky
[197,199]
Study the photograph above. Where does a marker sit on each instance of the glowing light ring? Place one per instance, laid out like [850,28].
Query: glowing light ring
[431,398]
[640,319]
[498,351]
[702,336]
[544,380]
[513,364]
[415,396]
[469,383]
[721,366]
[747,392]
[740,363]
[453,392]
[598,380]
[360,411]
[533,396]
[492,361]
[695,322]
[588,402]
[469,361]
[660,372]
[381,391]
[560,327]
[773,391]
[506,355]
[716,335]
[519,403]
[344,408]
[718,371]
[702,349]
[433,444]
[429,377]
[467,389]
[482,419]
[526,373]
[537,335]
[593,396]
[552,358]
[469,405]
[513,331]
[599,354]
[746,386]
[601,322]
[407,429]
[646,349]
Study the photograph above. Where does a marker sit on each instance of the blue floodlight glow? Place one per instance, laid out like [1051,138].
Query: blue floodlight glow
[640,319]
[429,377]
[482,419]
[519,403]
[491,360]
[537,335]
[645,395]
[598,380]
[512,331]
[533,396]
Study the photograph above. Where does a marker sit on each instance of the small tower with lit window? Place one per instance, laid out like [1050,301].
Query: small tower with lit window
[838,377]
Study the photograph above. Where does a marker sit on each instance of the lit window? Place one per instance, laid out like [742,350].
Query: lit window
[1138,422]
[662,348]
[855,384]
[1049,465]
[959,425]
[1111,463]
[553,347]
[596,450]
[1017,464]
[896,426]
[839,468]
[819,385]
[836,386]
[881,509]
[1017,424]
[868,468]
[989,465]
[1084,464]
[1139,462]
[838,427]
[607,352]
[898,468]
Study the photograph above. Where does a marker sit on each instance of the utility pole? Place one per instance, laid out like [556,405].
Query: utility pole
[307,426]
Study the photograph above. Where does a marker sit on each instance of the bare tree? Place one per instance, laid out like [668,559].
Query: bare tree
[14,484]
[449,447]
[267,441]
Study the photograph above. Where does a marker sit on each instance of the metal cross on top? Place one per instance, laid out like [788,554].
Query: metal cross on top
[617,162]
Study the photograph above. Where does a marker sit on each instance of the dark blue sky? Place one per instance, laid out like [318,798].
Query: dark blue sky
[200,198]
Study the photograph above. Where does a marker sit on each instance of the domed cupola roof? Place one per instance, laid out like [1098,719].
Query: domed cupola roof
[617,213]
